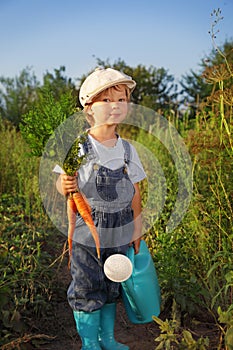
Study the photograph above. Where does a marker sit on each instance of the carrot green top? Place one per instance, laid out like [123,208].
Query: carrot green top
[73,159]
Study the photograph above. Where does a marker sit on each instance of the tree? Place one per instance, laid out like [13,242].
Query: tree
[21,94]
[57,82]
[17,95]
[195,86]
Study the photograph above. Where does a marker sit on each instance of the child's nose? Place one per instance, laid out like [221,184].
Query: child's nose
[115,105]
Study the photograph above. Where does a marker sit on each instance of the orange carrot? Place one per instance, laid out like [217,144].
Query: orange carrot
[71,213]
[76,201]
[86,201]
[84,210]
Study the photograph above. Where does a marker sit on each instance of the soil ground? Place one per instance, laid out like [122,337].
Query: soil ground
[58,331]
[138,337]
[60,327]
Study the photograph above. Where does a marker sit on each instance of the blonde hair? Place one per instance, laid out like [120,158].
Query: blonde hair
[87,107]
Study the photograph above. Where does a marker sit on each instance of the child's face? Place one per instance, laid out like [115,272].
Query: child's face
[110,107]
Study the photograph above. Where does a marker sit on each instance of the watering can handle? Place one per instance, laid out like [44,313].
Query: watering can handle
[130,254]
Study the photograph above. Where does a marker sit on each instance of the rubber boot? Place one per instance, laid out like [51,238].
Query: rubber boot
[87,324]
[106,335]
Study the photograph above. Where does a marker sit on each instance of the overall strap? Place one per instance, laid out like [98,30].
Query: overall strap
[87,149]
[127,149]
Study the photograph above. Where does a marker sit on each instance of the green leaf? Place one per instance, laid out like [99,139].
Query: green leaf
[158,320]
[188,338]
[229,338]
[74,160]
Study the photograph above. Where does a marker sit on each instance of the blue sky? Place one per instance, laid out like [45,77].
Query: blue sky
[45,34]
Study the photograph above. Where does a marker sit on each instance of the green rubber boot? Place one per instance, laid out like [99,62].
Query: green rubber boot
[106,335]
[87,324]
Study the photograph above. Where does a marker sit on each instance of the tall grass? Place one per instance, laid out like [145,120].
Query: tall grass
[19,171]
[26,276]
[195,263]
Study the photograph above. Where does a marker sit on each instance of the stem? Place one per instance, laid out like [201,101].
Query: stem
[222,114]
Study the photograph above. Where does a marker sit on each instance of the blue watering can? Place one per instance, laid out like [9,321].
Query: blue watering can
[141,292]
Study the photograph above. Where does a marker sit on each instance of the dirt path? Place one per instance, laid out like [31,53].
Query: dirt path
[137,337]
[60,322]
[60,326]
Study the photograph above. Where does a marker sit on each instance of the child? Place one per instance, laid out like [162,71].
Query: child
[109,180]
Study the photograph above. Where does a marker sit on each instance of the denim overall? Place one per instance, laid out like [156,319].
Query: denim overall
[109,193]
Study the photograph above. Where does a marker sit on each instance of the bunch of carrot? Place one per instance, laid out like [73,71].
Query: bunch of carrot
[75,201]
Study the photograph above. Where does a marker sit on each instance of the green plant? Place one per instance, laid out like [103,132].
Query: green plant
[188,343]
[26,285]
[168,336]
[172,335]
[47,113]
[226,317]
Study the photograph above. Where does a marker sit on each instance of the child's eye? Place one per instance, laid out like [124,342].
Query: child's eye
[122,100]
[106,100]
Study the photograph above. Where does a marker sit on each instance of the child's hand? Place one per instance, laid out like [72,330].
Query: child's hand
[136,245]
[68,184]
